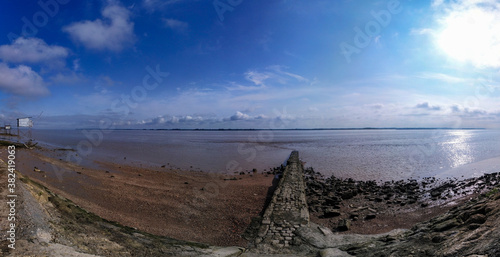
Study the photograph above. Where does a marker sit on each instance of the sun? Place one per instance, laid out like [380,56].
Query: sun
[471,36]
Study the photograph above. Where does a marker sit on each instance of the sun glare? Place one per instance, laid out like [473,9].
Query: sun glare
[471,36]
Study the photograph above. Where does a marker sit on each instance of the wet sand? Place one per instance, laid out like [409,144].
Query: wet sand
[189,205]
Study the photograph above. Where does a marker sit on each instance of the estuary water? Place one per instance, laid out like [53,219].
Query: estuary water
[360,154]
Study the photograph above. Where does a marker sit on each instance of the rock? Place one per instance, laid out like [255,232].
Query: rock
[476,219]
[344,225]
[443,226]
[333,252]
[329,213]
[325,231]
[347,195]
[473,226]
[435,193]
[370,216]
[437,239]
[227,251]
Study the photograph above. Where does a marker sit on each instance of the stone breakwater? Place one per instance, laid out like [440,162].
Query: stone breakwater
[287,210]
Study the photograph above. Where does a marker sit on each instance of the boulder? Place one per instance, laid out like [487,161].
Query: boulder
[476,219]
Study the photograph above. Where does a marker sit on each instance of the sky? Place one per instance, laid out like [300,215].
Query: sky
[276,64]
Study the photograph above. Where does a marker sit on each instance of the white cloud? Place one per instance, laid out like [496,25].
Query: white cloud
[469,112]
[176,25]
[427,106]
[21,80]
[423,31]
[442,77]
[239,116]
[256,77]
[170,120]
[376,106]
[153,5]
[67,78]
[32,50]
[243,116]
[237,87]
[437,3]
[76,64]
[114,33]
[274,73]
[279,70]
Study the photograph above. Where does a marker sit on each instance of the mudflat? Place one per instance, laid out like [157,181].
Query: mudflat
[188,205]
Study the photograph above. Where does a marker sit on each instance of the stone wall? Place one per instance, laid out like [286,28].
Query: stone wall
[287,210]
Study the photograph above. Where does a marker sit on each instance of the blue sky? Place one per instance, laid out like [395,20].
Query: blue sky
[250,64]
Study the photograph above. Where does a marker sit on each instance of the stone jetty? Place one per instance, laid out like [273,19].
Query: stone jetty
[287,210]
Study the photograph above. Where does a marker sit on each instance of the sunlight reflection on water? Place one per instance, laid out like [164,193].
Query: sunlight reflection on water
[458,148]
[360,154]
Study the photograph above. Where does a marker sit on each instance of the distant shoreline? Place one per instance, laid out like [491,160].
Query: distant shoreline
[294,129]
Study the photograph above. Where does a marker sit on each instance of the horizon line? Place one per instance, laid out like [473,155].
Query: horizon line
[284,129]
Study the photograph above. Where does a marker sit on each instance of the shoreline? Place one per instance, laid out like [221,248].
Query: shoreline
[218,208]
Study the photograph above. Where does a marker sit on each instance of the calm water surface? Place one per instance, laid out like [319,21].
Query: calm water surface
[360,154]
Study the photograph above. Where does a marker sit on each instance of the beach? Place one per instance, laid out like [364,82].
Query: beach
[189,205]
[198,206]
[220,209]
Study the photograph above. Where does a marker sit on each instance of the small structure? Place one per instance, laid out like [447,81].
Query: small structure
[6,130]
[25,123]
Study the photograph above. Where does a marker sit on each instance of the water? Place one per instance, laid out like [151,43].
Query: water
[361,154]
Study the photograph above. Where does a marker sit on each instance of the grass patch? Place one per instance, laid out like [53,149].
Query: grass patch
[492,192]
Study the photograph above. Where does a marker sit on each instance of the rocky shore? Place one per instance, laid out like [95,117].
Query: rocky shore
[471,230]
[369,207]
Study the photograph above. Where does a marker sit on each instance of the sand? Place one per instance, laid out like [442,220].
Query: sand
[195,206]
